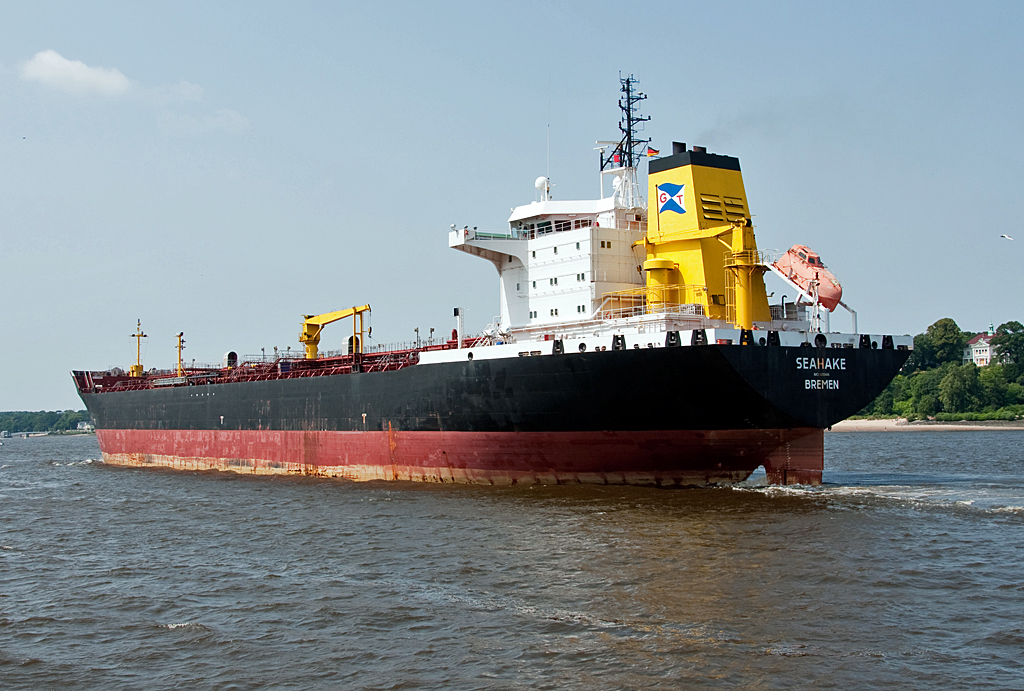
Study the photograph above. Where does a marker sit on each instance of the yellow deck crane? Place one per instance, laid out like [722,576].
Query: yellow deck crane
[312,325]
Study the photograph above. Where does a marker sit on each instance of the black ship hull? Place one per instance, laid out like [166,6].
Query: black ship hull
[667,416]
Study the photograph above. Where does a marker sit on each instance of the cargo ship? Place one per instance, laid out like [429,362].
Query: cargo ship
[633,346]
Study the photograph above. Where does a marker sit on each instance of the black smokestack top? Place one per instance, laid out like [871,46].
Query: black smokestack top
[678,147]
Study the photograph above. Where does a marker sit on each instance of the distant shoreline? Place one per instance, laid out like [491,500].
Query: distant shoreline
[901,425]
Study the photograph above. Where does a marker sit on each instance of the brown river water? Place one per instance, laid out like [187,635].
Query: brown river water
[903,571]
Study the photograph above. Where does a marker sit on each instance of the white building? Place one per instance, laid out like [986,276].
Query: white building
[979,349]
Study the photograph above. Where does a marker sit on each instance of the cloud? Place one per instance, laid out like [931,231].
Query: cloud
[52,69]
[225,120]
[174,93]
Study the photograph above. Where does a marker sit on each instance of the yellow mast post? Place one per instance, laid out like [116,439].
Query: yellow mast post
[181,347]
[744,264]
[136,369]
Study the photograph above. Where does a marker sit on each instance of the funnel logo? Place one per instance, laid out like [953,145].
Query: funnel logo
[670,198]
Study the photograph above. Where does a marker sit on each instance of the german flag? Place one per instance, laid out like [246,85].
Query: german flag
[652,152]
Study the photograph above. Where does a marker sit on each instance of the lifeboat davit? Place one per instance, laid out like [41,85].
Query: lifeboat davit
[802,266]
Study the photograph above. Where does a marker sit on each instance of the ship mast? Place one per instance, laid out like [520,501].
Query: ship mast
[181,347]
[136,369]
[624,158]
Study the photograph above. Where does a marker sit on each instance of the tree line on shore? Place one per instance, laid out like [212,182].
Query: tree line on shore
[42,421]
[936,384]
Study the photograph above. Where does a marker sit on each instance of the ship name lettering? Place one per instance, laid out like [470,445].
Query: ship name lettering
[821,363]
[830,384]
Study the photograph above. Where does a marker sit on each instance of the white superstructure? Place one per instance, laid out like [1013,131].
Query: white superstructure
[558,258]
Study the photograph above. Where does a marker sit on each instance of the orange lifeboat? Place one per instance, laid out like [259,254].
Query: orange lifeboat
[802,266]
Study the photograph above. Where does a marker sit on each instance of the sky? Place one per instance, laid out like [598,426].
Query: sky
[220,169]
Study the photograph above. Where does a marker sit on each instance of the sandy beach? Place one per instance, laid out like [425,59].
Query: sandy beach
[901,425]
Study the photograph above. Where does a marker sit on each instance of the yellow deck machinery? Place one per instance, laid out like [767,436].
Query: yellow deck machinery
[312,325]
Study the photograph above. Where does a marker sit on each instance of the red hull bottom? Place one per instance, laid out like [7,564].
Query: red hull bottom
[663,458]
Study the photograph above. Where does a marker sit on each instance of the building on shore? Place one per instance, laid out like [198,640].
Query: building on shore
[979,349]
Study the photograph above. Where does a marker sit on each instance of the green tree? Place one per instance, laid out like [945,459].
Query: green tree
[69,419]
[41,421]
[960,389]
[942,342]
[1009,342]
[994,386]
[922,356]
[947,340]
[1014,393]
[883,404]
[924,390]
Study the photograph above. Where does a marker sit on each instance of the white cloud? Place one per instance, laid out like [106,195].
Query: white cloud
[174,93]
[52,69]
[225,120]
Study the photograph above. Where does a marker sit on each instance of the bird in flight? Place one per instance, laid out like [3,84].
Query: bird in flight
[1006,236]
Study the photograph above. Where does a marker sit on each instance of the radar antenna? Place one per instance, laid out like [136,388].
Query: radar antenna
[629,150]
[624,157]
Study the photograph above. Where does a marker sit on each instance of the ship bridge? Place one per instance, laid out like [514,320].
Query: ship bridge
[558,259]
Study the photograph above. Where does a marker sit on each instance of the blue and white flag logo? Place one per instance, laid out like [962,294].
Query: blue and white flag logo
[670,198]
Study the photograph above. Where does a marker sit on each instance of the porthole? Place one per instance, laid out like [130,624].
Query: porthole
[583,347]
[469,355]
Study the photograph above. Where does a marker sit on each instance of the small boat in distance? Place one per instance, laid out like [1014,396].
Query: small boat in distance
[804,267]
